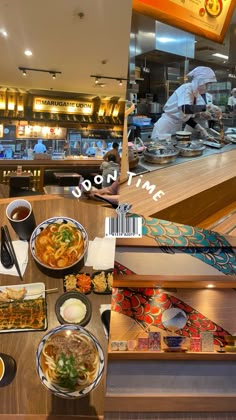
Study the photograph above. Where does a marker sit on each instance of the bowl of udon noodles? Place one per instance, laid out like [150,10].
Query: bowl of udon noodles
[70,361]
[59,243]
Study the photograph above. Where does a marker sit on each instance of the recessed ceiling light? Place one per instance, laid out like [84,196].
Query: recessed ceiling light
[210,286]
[4,33]
[28,52]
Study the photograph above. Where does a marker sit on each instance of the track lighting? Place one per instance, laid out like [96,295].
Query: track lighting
[52,72]
[98,78]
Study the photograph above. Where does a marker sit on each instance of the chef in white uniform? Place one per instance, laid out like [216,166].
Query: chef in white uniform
[39,147]
[186,104]
[232,100]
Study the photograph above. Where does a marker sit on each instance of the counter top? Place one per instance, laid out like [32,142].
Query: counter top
[50,162]
[181,183]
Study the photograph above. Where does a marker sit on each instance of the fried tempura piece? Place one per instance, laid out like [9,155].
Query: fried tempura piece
[70,282]
[4,297]
[16,294]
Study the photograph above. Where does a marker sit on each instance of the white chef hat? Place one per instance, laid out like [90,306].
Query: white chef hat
[202,75]
[233,91]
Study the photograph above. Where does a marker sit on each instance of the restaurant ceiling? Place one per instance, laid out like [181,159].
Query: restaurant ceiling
[71,36]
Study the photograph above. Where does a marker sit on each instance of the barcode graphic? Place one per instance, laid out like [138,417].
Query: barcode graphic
[123,227]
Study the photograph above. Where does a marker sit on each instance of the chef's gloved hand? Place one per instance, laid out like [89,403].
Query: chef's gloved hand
[202,130]
[205,115]
[215,110]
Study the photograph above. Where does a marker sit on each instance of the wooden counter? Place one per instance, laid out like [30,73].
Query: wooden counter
[38,167]
[193,190]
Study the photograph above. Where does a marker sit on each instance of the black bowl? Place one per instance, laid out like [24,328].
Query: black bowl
[74,295]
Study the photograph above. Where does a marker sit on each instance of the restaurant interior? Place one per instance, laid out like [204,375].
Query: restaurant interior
[80,76]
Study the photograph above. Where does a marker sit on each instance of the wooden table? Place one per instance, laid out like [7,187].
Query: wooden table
[26,396]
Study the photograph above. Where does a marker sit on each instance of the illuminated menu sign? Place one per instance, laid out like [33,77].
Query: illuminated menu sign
[35,131]
[207,18]
[63,106]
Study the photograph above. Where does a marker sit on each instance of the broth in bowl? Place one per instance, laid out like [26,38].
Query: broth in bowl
[59,243]
[70,361]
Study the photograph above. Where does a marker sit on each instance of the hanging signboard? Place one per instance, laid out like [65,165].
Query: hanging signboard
[206,18]
[63,106]
[35,131]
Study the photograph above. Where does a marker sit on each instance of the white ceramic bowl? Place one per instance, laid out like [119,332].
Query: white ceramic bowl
[58,220]
[60,392]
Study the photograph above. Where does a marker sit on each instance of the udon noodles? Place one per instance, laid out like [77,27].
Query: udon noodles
[70,361]
[59,245]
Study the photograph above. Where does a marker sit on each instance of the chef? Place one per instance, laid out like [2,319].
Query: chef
[232,100]
[39,147]
[186,105]
[205,119]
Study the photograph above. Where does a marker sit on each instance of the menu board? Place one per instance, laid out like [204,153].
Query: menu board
[207,18]
[34,131]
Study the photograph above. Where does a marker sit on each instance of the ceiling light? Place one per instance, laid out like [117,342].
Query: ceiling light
[52,72]
[98,78]
[210,286]
[120,83]
[28,52]
[221,56]
[4,33]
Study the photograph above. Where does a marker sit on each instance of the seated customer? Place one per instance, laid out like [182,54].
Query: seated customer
[113,151]
[39,147]
[109,167]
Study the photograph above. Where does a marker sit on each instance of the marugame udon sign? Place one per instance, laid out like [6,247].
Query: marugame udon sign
[64,106]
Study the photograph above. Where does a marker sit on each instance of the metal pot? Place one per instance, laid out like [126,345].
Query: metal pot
[166,143]
[183,136]
[154,108]
[191,149]
[160,154]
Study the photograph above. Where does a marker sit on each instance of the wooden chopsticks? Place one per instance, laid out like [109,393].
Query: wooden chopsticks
[12,251]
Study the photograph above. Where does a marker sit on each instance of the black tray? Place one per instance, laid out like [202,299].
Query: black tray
[107,291]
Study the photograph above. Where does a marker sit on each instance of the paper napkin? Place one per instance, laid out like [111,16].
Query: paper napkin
[101,253]
[21,250]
